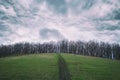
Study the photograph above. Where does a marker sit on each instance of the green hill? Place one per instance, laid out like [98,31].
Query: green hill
[48,67]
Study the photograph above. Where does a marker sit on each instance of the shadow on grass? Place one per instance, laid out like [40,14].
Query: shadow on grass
[64,73]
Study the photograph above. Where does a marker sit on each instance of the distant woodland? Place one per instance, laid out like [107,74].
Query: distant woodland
[91,48]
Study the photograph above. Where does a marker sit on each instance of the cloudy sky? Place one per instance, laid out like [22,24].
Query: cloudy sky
[46,20]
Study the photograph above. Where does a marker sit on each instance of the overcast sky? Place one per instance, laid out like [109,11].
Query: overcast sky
[46,20]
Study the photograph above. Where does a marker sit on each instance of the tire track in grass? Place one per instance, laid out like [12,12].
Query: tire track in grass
[64,73]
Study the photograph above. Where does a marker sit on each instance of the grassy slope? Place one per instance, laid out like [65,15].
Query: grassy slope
[29,67]
[45,67]
[91,68]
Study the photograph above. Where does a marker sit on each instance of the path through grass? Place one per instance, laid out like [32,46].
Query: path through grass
[63,69]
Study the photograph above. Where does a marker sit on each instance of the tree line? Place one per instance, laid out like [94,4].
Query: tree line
[91,48]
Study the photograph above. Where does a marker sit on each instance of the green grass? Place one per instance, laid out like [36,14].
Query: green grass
[29,67]
[45,67]
[92,68]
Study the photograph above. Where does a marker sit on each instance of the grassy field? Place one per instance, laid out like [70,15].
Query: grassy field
[29,67]
[92,68]
[45,67]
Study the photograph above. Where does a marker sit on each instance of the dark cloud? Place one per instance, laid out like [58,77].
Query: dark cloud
[48,33]
[20,10]
[113,15]
[6,3]
[3,27]
[116,14]
[8,18]
[79,6]
[109,27]
[39,1]
[2,14]
[59,6]
[4,30]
